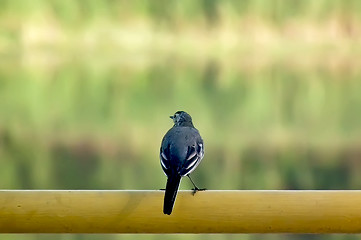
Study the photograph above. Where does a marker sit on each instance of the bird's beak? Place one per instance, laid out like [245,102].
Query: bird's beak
[171,117]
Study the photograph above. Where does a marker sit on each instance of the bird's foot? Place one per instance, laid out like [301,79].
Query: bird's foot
[198,189]
[162,189]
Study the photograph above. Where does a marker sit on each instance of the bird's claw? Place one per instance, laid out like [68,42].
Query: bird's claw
[162,189]
[198,189]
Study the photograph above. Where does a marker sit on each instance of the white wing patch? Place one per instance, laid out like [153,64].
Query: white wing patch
[191,155]
[201,151]
[163,158]
[195,160]
[163,165]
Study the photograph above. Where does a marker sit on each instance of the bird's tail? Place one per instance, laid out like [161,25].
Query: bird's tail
[171,193]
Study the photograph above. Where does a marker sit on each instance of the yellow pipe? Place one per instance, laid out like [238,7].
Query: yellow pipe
[206,212]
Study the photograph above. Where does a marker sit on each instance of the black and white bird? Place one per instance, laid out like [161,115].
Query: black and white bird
[180,153]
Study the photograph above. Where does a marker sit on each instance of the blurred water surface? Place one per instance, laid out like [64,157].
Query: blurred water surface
[80,126]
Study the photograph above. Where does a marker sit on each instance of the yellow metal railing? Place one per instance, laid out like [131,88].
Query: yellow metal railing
[50,211]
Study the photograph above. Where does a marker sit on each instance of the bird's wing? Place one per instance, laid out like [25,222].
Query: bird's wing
[164,159]
[194,156]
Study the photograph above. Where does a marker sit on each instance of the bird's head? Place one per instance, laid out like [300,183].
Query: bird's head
[182,118]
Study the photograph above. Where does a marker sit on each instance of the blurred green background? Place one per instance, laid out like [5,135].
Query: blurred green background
[86,88]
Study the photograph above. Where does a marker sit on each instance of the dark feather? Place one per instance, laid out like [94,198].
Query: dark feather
[170,195]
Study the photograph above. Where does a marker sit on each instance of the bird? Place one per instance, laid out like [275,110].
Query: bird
[181,152]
